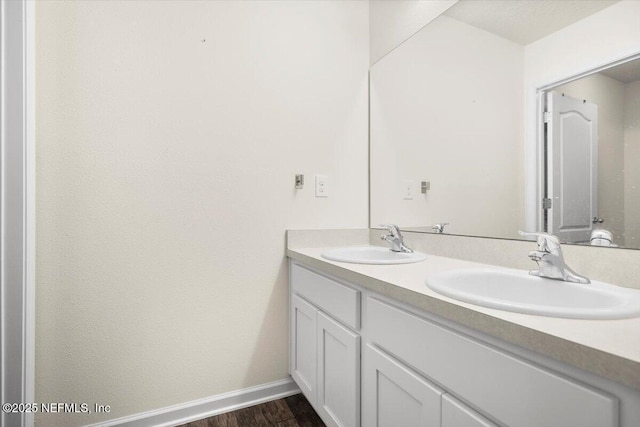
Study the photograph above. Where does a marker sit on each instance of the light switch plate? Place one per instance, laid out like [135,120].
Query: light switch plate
[322,186]
[408,189]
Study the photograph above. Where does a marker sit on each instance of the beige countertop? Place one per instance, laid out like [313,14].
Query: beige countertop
[609,348]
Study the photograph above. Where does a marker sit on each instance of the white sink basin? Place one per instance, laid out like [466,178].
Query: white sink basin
[516,290]
[372,255]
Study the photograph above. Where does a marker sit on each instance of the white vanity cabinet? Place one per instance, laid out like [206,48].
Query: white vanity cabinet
[419,370]
[395,396]
[325,345]
[511,390]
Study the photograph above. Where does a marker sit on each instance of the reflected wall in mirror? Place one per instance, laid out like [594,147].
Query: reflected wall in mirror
[459,106]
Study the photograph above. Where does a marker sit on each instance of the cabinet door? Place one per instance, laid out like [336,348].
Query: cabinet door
[456,414]
[394,396]
[338,374]
[304,346]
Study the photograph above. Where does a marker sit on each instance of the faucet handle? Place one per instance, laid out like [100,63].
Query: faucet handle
[546,241]
[393,229]
[439,228]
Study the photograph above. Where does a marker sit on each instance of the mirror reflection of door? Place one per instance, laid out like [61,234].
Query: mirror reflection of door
[572,167]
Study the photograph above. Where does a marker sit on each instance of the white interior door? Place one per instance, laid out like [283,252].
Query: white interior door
[572,167]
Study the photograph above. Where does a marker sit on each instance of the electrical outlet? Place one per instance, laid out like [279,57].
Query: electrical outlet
[322,186]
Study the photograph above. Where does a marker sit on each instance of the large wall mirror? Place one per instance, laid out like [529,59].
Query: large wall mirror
[501,116]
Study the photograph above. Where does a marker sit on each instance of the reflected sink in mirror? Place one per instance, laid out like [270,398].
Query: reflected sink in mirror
[372,255]
[517,291]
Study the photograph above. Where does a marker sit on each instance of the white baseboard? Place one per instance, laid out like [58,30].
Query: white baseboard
[207,407]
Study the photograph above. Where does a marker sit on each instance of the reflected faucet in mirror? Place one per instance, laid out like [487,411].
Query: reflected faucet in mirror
[395,239]
[550,259]
[439,228]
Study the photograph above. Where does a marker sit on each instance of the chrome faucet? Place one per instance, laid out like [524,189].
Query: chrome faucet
[395,239]
[439,228]
[550,259]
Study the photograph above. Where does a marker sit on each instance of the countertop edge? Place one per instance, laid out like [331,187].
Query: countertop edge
[592,360]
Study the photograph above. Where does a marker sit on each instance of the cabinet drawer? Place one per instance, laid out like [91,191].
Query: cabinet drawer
[514,392]
[338,300]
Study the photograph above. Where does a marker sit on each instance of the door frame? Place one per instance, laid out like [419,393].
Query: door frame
[17,207]
[535,181]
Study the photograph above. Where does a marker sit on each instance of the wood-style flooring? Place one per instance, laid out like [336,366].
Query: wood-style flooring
[293,411]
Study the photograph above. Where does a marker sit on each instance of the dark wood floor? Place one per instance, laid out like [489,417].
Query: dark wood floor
[293,411]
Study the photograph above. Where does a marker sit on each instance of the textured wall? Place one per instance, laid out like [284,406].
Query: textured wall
[168,135]
[458,125]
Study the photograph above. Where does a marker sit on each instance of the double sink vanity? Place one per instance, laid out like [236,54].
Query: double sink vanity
[399,338]
[491,131]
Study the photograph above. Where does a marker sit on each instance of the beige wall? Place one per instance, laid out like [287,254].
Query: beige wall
[168,136]
[394,21]
[608,94]
[632,163]
[446,107]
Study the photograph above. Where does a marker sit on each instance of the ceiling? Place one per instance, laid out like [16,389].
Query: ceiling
[524,21]
[625,73]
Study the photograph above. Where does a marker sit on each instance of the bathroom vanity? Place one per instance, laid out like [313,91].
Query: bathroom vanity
[373,346]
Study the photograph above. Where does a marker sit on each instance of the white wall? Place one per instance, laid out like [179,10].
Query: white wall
[632,163]
[168,136]
[394,21]
[599,39]
[609,95]
[446,106]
